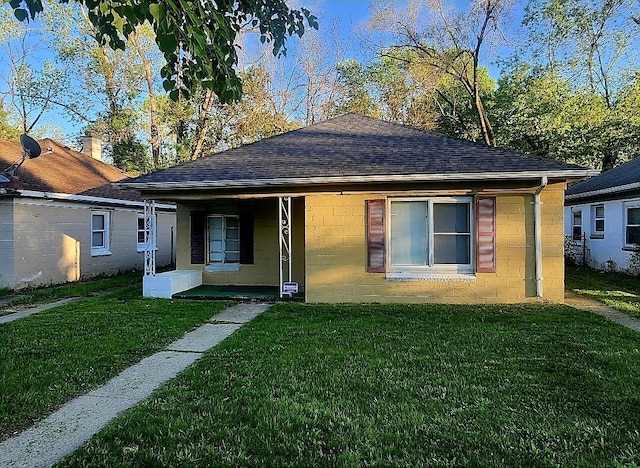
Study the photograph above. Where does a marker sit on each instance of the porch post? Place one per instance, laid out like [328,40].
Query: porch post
[149,238]
[284,227]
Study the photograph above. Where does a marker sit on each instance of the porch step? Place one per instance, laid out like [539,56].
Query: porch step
[165,285]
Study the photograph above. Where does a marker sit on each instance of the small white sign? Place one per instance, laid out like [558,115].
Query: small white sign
[290,288]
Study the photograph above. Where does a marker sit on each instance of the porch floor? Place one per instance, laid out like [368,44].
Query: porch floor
[237,293]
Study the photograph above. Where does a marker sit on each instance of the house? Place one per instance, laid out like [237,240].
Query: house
[60,219]
[355,209]
[602,219]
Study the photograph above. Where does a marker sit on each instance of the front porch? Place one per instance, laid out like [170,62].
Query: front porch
[237,293]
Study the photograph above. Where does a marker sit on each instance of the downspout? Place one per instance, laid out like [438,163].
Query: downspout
[537,234]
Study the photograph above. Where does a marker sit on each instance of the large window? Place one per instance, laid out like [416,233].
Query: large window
[431,234]
[597,221]
[223,240]
[632,225]
[100,233]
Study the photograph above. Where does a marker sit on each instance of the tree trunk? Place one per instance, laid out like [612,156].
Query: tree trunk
[204,119]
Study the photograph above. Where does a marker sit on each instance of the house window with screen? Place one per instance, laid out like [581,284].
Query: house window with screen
[100,233]
[140,243]
[597,221]
[576,224]
[632,226]
[223,240]
[431,234]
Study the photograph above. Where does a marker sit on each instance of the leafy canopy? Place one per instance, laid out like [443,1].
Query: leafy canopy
[196,37]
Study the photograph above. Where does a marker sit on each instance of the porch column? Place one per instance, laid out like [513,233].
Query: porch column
[284,227]
[149,238]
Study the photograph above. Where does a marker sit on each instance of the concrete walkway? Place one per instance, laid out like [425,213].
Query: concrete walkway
[34,310]
[77,421]
[580,302]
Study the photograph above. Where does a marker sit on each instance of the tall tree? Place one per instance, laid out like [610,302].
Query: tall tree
[449,41]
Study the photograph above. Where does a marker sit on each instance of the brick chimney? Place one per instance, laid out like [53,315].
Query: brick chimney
[92,146]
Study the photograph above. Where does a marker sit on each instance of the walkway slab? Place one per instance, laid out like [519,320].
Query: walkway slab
[77,421]
[580,302]
[34,310]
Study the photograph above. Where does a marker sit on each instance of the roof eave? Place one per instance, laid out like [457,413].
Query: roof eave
[603,191]
[306,181]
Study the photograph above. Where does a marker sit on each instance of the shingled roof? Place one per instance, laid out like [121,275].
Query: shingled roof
[64,171]
[348,149]
[623,178]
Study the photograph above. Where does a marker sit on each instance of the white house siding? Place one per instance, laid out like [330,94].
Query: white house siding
[604,252]
[52,241]
[6,243]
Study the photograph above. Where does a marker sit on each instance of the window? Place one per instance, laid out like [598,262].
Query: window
[100,233]
[431,234]
[632,226]
[576,230]
[223,241]
[140,244]
[597,221]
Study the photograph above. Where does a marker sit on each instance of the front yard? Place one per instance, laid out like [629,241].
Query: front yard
[356,385]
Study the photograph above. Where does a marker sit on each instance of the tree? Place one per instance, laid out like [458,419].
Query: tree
[7,130]
[196,38]
[449,41]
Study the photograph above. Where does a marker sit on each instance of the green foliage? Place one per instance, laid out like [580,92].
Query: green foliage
[7,130]
[131,156]
[356,95]
[196,38]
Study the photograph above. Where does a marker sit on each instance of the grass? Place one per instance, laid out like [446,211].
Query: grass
[398,385]
[85,288]
[617,290]
[48,358]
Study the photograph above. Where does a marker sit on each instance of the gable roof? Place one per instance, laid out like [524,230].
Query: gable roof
[352,149]
[64,171]
[623,178]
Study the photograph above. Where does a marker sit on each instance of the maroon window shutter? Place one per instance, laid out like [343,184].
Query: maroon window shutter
[246,237]
[375,236]
[486,234]
[198,221]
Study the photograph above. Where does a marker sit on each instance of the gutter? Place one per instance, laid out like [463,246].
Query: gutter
[537,234]
[86,198]
[604,191]
[466,176]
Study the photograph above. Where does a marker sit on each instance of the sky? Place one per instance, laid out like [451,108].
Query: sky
[350,16]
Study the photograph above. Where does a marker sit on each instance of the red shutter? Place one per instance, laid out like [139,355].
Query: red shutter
[486,234]
[246,237]
[198,222]
[375,236]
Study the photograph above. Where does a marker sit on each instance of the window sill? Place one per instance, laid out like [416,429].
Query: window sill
[631,248]
[100,252]
[596,236]
[432,276]
[213,267]
[141,248]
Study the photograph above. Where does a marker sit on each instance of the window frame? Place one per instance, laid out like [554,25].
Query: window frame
[224,265]
[627,207]
[595,232]
[141,246]
[574,225]
[431,269]
[105,248]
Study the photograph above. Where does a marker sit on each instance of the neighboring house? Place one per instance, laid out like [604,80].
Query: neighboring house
[379,213]
[61,220]
[602,219]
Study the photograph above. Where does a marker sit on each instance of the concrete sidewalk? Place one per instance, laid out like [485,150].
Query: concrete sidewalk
[77,421]
[580,302]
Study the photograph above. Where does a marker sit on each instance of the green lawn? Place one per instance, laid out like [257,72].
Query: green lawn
[50,357]
[323,385]
[618,291]
[35,296]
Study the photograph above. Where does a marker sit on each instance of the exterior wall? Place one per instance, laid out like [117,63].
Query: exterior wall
[336,255]
[7,277]
[605,252]
[265,269]
[52,241]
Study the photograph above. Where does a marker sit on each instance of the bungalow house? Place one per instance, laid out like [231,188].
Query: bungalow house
[602,219]
[355,209]
[60,219]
